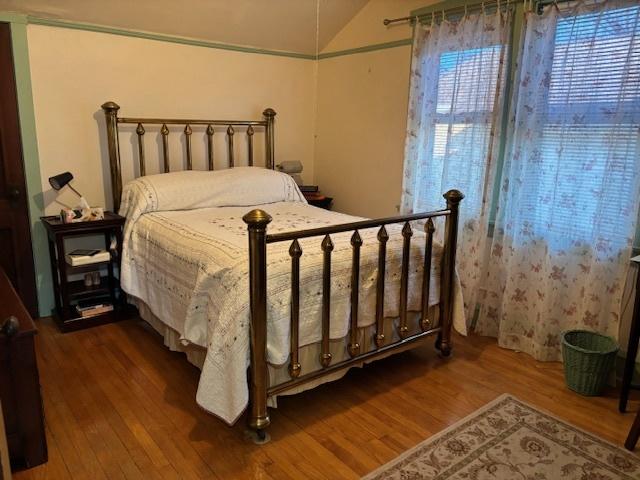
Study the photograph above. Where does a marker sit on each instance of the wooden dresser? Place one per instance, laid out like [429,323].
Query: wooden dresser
[19,382]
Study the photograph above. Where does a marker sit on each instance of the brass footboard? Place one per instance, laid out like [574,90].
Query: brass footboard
[257,221]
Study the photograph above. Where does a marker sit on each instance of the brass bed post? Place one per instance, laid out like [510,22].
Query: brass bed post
[407,233]
[257,221]
[250,145]
[140,132]
[269,115]
[210,146]
[230,133]
[111,116]
[453,197]
[187,140]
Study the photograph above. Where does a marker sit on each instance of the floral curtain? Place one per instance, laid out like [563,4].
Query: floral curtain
[570,191]
[456,105]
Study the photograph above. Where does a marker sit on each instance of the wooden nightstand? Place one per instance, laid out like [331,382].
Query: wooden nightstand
[314,197]
[69,293]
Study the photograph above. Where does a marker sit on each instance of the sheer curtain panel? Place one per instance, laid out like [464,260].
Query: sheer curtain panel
[570,194]
[455,111]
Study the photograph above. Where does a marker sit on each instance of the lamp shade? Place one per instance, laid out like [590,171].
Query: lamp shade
[60,180]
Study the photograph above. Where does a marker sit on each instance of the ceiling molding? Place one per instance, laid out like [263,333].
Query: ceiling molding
[271,26]
[161,38]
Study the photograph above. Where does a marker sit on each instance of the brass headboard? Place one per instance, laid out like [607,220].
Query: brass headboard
[111,114]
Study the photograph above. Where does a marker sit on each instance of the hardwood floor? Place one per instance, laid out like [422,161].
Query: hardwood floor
[118,404]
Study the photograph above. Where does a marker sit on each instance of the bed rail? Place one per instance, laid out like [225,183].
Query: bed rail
[257,222]
[113,143]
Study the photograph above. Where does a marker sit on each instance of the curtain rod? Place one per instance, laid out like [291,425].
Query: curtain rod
[474,5]
[488,3]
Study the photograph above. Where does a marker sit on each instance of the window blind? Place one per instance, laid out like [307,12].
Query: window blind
[467,87]
[589,146]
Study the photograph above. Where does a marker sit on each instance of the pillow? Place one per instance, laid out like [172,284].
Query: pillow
[191,189]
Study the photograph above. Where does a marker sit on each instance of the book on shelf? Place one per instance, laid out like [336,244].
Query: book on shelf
[87,257]
[91,310]
[308,188]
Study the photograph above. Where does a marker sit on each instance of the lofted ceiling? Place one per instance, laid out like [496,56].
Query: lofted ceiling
[288,25]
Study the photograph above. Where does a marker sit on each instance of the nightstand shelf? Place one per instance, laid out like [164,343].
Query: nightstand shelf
[68,291]
[77,288]
[72,270]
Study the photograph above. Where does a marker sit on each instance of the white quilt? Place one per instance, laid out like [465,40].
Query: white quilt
[185,254]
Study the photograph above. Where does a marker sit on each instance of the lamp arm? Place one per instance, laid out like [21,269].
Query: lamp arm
[83,203]
[76,192]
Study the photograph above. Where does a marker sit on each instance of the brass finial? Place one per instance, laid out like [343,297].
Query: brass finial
[325,359]
[294,370]
[140,129]
[383,236]
[230,130]
[110,107]
[356,239]
[257,218]
[295,250]
[269,112]
[327,244]
[429,227]
[354,349]
[164,130]
[210,129]
[250,130]
[187,129]
[406,230]
[453,196]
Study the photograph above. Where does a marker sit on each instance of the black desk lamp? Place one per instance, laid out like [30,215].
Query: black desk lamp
[62,179]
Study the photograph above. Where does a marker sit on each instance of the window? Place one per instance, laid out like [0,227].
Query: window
[468,81]
[467,85]
[589,142]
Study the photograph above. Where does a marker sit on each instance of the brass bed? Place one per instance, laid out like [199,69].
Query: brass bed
[439,324]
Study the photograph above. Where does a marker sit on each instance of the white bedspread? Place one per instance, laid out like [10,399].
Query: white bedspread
[191,268]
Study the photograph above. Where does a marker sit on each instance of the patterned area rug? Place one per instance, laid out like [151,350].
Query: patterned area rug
[508,439]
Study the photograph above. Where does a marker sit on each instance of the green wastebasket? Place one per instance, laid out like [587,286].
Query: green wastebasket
[588,359]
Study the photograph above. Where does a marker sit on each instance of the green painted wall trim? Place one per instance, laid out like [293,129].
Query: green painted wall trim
[90,27]
[10,17]
[367,48]
[31,161]
[162,38]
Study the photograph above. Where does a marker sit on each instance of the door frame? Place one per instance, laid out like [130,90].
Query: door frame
[30,159]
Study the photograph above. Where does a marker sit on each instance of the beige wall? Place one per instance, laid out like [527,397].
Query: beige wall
[366,27]
[362,107]
[362,111]
[74,72]
[359,118]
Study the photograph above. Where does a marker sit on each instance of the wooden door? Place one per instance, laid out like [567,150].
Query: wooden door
[16,256]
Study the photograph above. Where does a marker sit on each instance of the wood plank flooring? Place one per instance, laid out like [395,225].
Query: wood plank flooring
[119,405]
